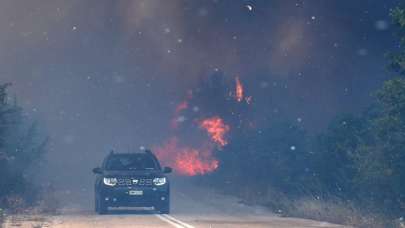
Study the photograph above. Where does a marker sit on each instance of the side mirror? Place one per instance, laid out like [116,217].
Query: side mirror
[97,170]
[167,170]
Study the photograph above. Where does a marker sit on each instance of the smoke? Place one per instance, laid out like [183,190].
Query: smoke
[109,74]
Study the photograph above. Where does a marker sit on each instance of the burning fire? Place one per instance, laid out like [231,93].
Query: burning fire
[217,129]
[191,163]
[189,160]
[186,160]
[238,90]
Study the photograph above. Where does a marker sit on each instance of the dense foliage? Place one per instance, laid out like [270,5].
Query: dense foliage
[20,151]
[359,158]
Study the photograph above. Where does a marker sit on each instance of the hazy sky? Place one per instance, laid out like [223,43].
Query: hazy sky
[104,74]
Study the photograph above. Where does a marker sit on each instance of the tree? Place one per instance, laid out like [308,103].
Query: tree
[20,149]
[397,63]
[363,157]
[335,150]
[380,162]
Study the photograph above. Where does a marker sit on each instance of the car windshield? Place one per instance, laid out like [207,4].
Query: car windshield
[131,162]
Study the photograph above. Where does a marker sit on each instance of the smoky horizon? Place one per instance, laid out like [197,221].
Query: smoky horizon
[182,78]
[203,113]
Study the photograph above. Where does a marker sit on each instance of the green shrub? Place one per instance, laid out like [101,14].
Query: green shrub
[21,148]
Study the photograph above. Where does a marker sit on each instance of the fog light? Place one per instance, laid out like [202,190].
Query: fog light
[106,198]
[162,198]
[114,199]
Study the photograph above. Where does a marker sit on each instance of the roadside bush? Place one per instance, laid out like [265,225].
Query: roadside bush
[48,202]
[1,216]
[21,149]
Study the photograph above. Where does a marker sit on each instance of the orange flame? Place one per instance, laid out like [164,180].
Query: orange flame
[190,163]
[238,90]
[185,160]
[182,106]
[216,128]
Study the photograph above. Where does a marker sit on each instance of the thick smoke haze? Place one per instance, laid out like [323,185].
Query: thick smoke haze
[103,75]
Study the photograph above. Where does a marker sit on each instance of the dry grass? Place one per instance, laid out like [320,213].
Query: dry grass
[47,203]
[332,210]
[336,211]
[14,203]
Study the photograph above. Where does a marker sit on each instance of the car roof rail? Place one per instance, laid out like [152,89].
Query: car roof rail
[143,149]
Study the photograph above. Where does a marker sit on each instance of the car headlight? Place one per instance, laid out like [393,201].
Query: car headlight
[158,181]
[110,181]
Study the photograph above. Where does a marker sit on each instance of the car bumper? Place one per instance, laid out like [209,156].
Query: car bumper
[122,197]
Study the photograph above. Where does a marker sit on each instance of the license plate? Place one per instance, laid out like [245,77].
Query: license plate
[135,193]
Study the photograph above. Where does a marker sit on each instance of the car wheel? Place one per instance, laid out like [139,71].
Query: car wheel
[164,208]
[100,206]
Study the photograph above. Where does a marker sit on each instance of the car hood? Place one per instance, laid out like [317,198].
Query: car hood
[144,173]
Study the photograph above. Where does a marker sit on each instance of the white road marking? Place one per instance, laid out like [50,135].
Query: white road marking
[174,222]
[178,221]
[168,221]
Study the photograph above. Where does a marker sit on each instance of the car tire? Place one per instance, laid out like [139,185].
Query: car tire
[100,206]
[164,208]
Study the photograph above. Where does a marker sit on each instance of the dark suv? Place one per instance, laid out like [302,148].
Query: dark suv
[132,180]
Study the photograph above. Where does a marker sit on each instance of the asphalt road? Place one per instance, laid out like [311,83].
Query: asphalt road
[191,207]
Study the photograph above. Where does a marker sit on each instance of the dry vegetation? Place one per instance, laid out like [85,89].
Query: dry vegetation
[332,210]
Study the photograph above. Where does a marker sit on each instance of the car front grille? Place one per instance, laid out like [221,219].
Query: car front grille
[134,181]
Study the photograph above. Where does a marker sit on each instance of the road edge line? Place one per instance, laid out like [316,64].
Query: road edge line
[164,219]
[173,219]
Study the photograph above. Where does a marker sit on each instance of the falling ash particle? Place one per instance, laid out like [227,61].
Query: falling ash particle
[381,25]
